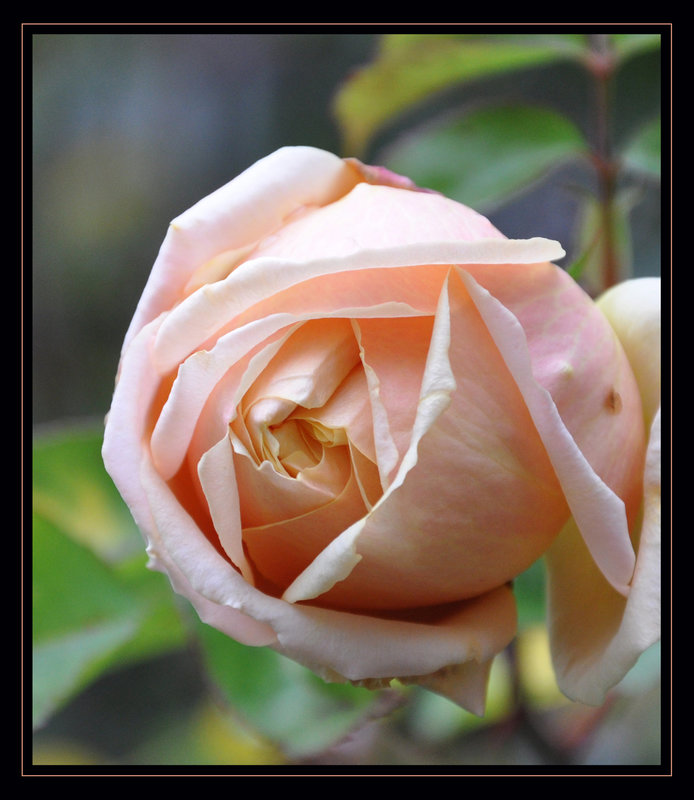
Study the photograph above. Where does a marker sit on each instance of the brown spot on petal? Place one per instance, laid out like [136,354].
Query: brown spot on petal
[613,401]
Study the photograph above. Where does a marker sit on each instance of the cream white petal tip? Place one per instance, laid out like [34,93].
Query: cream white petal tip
[519,251]
[551,247]
[331,566]
[308,586]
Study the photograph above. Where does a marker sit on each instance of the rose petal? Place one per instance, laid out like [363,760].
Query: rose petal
[247,208]
[338,560]
[365,647]
[179,548]
[283,549]
[394,353]
[195,319]
[633,309]
[310,365]
[464,684]
[377,217]
[197,379]
[597,397]
[200,373]
[347,409]
[218,481]
[597,635]
[599,513]
[415,286]
[475,476]
[367,476]
[385,449]
[124,435]
[269,497]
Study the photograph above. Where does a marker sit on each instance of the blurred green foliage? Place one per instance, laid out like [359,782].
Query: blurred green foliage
[409,67]
[643,151]
[282,700]
[94,604]
[517,144]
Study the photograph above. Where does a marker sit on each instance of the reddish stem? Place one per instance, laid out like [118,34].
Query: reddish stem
[602,64]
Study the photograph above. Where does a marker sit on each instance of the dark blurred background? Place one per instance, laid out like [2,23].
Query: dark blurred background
[130,129]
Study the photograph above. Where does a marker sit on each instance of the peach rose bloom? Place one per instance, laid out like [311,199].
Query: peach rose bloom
[349,412]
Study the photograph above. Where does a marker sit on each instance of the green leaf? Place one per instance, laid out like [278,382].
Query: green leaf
[95,604]
[62,666]
[574,43]
[484,157]
[642,154]
[529,591]
[280,699]
[72,489]
[81,615]
[410,67]
[161,629]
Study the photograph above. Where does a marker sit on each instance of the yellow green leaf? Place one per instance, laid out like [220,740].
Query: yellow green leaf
[410,67]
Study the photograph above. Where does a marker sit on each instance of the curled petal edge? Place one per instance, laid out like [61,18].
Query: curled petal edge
[229,218]
[213,306]
[597,636]
[598,511]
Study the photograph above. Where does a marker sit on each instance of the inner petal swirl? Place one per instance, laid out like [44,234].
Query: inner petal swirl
[304,453]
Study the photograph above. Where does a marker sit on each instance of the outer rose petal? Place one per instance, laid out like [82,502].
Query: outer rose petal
[236,215]
[599,512]
[465,684]
[633,309]
[124,435]
[596,635]
[211,308]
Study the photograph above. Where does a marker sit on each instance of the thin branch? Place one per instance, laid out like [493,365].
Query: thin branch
[602,63]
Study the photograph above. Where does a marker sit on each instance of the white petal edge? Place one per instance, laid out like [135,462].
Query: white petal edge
[218,480]
[208,309]
[123,444]
[126,458]
[386,450]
